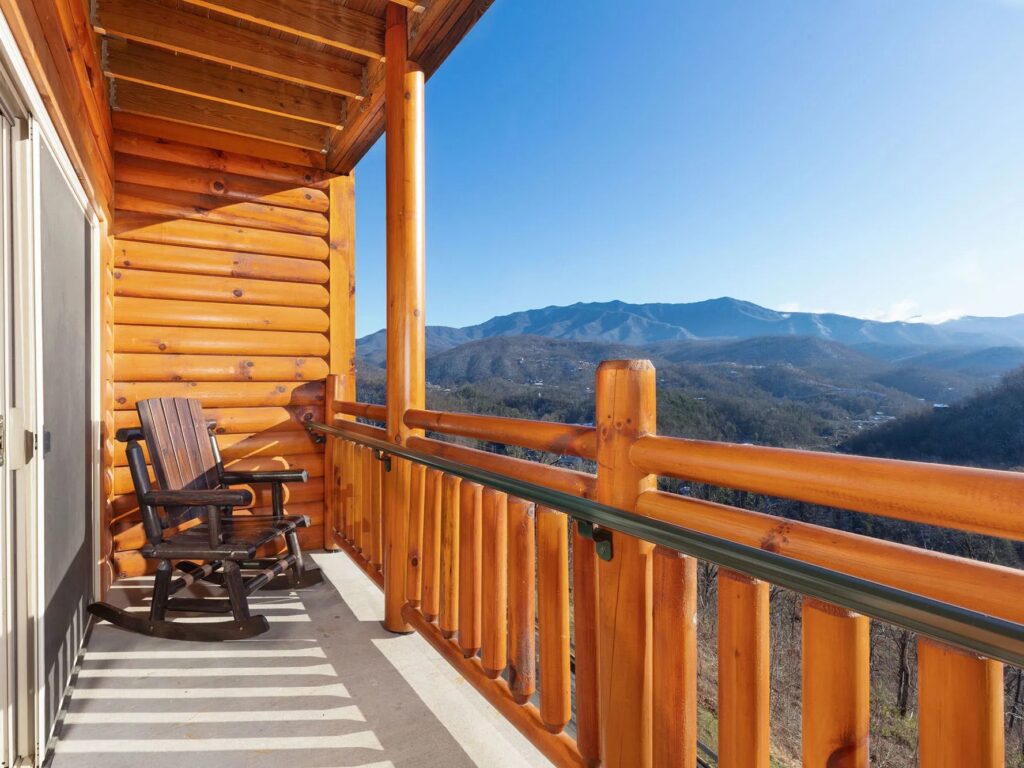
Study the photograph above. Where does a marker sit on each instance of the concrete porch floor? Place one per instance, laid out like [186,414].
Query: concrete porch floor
[326,687]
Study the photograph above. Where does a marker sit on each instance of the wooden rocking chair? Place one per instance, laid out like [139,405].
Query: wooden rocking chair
[193,484]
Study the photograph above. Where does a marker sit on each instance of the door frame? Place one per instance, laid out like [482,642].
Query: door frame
[24,718]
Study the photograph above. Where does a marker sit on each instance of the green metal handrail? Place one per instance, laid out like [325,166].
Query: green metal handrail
[974,631]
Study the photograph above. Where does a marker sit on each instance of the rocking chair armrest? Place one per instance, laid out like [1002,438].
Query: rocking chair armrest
[219,497]
[127,434]
[268,476]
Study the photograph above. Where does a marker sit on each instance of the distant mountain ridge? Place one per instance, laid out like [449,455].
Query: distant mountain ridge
[617,322]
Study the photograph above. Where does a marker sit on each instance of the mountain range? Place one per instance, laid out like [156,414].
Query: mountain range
[719,319]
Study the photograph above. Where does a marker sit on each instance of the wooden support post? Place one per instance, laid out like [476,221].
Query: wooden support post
[625,410]
[960,708]
[522,599]
[405,193]
[553,591]
[743,671]
[341,383]
[836,686]
[675,660]
[494,622]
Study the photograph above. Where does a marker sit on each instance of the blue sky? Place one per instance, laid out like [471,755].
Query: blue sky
[860,156]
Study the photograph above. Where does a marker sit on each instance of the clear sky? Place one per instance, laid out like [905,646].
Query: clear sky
[860,156]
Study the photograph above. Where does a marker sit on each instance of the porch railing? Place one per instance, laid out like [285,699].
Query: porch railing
[489,545]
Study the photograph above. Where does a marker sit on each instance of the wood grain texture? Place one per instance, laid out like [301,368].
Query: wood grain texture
[625,411]
[522,599]
[553,598]
[448,616]
[229,44]
[470,567]
[960,708]
[494,585]
[836,686]
[232,312]
[743,672]
[209,80]
[430,600]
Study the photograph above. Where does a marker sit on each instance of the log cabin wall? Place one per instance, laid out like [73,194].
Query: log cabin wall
[223,261]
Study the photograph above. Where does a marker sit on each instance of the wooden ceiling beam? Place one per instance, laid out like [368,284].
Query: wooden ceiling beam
[171,29]
[322,21]
[181,108]
[413,5]
[126,61]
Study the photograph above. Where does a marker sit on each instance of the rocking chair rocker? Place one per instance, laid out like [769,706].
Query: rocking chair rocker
[193,484]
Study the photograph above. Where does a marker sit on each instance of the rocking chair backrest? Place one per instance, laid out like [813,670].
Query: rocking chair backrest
[180,448]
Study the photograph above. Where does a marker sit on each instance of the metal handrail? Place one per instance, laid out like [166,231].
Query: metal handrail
[974,631]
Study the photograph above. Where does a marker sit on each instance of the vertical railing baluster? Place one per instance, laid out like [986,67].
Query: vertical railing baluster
[494,623]
[376,511]
[584,612]
[448,619]
[743,671]
[836,685]
[431,597]
[365,474]
[522,599]
[470,566]
[674,729]
[553,592]
[417,507]
[960,708]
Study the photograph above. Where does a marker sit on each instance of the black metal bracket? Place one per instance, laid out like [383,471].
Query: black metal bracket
[319,438]
[383,457]
[601,537]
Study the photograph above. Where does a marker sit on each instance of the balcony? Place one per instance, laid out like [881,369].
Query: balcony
[482,609]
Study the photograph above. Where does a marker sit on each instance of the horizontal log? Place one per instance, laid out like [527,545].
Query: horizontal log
[204,261]
[201,234]
[565,480]
[132,563]
[155,339]
[136,367]
[164,285]
[364,410]
[978,500]
[214,394]
[240,420]
[245,446]
[205,38]
[190,206]
[210,80]
[313,463]
[967,583]
[157,147]
[564,439]
[200,314]
[176,173]
[169,105]
[212,140]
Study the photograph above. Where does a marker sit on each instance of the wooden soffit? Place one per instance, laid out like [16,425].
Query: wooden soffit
[307,75]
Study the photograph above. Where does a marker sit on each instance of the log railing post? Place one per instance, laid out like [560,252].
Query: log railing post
[625,410]
[405,192]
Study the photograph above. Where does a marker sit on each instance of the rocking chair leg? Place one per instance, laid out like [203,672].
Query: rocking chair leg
[236,590]
[161,591]
[296,552]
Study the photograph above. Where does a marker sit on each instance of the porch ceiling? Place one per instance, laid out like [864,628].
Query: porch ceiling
[306,74]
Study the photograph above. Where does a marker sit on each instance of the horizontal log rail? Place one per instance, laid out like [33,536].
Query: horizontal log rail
[362,410]
[547,436]
[972,630]
[983,501]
